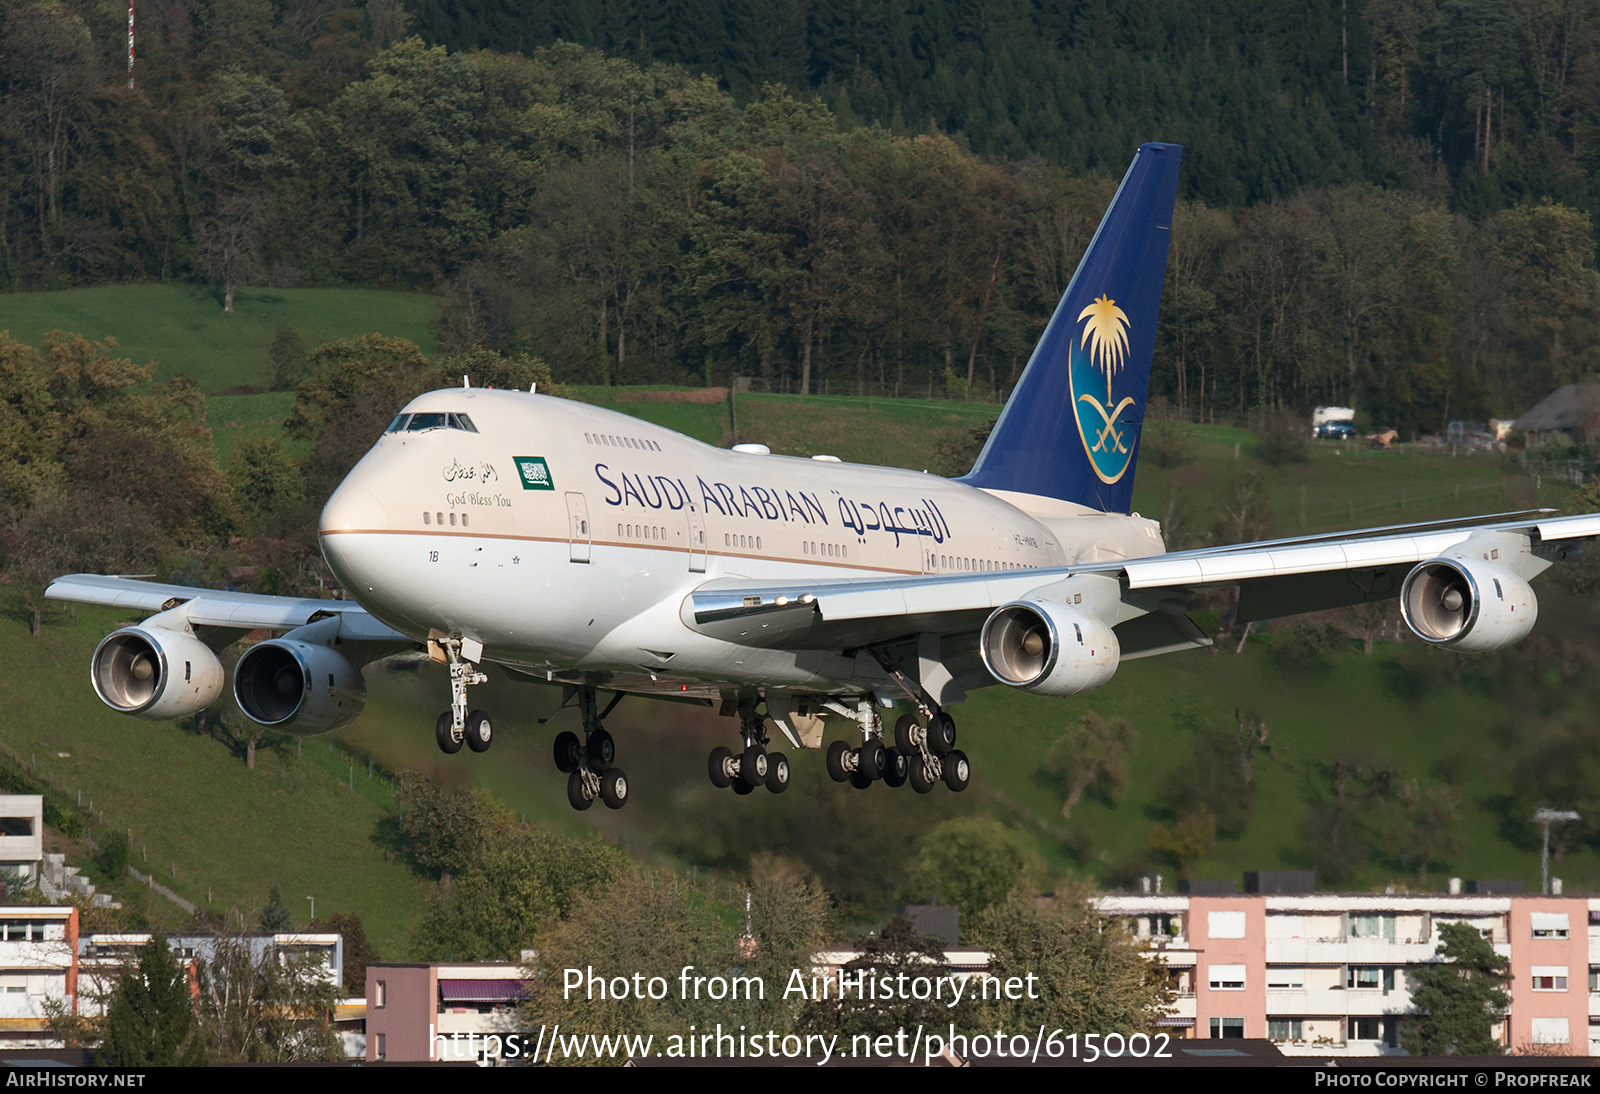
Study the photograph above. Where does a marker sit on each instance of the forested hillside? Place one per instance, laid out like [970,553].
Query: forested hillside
[1389,201]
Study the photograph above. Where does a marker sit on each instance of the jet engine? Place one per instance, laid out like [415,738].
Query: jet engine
[298,687]
[155,673]
[1467,604]
[1048,648]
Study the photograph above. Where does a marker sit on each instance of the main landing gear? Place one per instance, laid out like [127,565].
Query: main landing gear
[590,764]
[754,766]
[924,753]
[456,727]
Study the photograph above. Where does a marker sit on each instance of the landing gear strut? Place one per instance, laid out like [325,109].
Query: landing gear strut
[754,766]
[590,764]
[861,767]
[924,752]
[456,727]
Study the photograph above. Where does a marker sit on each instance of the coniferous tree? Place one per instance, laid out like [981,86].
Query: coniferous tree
[1458,1000]
[274,916]
[150,1021]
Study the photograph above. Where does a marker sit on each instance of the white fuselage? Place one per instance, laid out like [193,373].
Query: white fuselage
[565,537]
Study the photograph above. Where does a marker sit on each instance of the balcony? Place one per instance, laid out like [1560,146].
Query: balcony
[1356,951]
[1338,1001]
[35,955]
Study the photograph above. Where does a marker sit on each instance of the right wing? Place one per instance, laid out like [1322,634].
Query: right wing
[227,610]
[305,681]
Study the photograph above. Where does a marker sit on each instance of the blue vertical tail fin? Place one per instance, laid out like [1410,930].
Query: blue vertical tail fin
[1071,427]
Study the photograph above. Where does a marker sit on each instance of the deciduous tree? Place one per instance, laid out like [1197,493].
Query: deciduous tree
[1089,976]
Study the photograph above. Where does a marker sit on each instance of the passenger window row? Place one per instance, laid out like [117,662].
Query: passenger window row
[611,440]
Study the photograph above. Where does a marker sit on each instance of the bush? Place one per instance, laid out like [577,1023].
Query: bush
[1167,445]
[1285,441]
[112,859]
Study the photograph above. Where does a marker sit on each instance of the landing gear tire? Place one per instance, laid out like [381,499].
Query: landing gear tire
[717,767]
[905,730]
[871,758]
[836,768]
[753,766]
[941,733]
[577,792]
[957,771]
[444,732]
[480,732]
[896,768]
[568,752]
[777,772]
[860,780]
[921,778]
[614,788]
[602,750]
[743,788]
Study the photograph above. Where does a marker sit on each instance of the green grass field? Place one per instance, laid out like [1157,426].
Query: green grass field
[183,329]
[199,820]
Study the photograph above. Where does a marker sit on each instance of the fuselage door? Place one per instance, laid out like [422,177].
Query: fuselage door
[697,546]
[578,527]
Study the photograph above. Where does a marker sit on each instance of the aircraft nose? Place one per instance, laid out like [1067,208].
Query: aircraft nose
[352,509]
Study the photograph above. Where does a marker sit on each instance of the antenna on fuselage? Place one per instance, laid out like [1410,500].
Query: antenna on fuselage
[464,385]
[533,388]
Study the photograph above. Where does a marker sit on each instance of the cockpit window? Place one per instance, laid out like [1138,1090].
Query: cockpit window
[418,423]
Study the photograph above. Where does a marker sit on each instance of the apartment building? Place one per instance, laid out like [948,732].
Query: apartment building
[1329,974]
[444,1012]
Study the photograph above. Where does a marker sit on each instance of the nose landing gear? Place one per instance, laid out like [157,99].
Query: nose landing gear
[456,727]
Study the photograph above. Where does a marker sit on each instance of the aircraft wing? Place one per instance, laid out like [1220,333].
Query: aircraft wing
[228,610]
[1275,578]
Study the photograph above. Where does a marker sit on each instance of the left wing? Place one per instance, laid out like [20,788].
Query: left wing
[1459,586]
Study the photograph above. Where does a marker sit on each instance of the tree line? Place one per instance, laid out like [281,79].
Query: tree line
[631,221]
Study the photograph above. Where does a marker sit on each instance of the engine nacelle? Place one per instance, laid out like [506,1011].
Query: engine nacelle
[1048,648]
[1467,604]
[298,687]
[155,673]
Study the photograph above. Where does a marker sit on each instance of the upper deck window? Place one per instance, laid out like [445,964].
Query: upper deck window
[418,423]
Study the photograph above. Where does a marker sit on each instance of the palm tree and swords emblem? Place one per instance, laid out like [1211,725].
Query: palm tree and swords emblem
[1105,337]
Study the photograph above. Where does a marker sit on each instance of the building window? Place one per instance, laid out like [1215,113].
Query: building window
[1226,1028]
[1227,978]
[1594,978]
[1550,925]
[1549,978]
[1162,926]
[1225,924]
[1372,926]
[383,1048]
[1369,977]
[380,997]
[1285,979]
[1550,1031]
[1285,1029]
[1364,1029]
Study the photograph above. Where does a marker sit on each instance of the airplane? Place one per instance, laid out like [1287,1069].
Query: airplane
[569,545]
